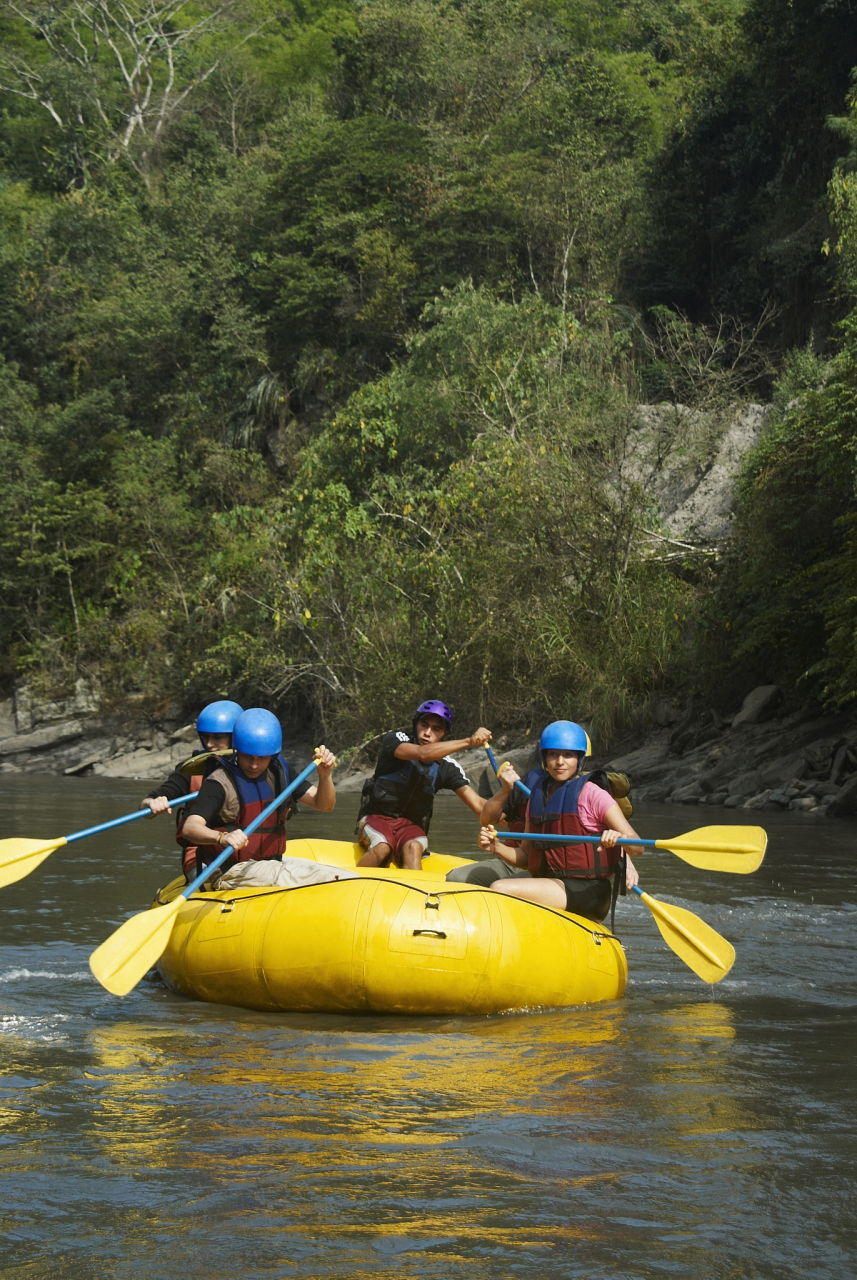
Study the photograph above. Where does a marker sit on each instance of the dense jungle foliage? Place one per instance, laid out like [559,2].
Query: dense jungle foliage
[323,326]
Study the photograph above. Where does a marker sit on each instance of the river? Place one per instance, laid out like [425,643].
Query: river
[683,1131]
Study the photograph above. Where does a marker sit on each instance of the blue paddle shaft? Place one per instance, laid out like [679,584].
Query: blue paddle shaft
[129,817]
[635,888]
[529,835]
[248,831]
[526,790]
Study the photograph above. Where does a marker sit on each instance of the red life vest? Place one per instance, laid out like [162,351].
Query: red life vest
[557,814]
[269,840]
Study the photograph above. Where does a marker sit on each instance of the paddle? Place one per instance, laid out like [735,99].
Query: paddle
[129,953]
[695,942]
[18,857]
[736,849]
[526,790]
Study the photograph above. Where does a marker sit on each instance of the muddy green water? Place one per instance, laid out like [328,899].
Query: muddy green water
[684,1131]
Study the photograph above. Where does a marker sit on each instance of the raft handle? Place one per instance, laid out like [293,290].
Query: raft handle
[433,906]
[227,907]
[435,933]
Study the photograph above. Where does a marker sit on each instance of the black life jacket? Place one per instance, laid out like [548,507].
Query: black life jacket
[405,792]
[557,814]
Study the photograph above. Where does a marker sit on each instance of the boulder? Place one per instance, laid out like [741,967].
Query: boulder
[638,764]
[31,711]
[187,734]
[734,802]
[760,704]
[665,712]
[691,794]
[803,804]
[149,765]
[745,783]
[757,802]
[780,799]
[844,805]
[48,736]
[783,769]
[8,726]
[353,783]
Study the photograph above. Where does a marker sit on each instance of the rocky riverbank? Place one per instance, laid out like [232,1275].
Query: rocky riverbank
[758,758]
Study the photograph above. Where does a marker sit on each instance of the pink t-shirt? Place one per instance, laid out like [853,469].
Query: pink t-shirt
[592,805]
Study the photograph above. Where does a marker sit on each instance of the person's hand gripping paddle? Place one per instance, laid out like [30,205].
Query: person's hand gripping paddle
[738,850]
[129,953]
[18,857]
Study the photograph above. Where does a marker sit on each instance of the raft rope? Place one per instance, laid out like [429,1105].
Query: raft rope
[413,888]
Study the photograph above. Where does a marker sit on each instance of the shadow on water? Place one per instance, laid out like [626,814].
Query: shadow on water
[683,1131]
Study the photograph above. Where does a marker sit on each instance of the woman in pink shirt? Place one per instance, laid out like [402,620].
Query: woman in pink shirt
[570,877]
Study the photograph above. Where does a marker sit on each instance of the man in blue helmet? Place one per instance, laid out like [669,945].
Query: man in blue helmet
[569,877]
[237,791]
[214,726]
[396,805]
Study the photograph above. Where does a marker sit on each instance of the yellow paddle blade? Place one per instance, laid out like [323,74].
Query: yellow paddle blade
[196,764]
[695,942]
[129,953]
[19,857]
[736,849]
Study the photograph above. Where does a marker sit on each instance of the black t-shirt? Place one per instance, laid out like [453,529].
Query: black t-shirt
[450,775]
[212,796]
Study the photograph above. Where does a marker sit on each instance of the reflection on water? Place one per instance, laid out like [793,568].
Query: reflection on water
[682,1131]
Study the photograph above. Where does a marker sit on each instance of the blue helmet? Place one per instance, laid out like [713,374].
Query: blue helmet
[434,708]
[217,717]
[257,733]
[564,735]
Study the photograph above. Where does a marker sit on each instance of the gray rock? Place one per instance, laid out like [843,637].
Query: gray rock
[757,802]
[484,781]
[760,704]
[31,711]
[780,799]
[844,805]
[644,761]
[746,784]
[187,734]
[7,767]
[48,736]
[8,726]
[84,764]
[803,804]
[691,792]
[353,783]
[687,460]
[665,712]
[783,769]
[821,789]
[148,765]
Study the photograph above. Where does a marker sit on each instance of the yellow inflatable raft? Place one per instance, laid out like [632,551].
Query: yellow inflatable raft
[389,942]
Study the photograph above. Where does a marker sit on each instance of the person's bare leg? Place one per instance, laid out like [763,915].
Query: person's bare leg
[546,892]
[412,855]
[377,856]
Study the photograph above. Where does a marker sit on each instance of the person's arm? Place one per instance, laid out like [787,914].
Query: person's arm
[471,798]
[490,844]
[617,825]
[493,809]
[434,751]
[196,829]
[322,796]
[158,801]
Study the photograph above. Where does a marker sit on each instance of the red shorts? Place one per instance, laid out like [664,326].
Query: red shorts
[392,831]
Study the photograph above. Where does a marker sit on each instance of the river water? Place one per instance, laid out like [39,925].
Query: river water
[683,1131]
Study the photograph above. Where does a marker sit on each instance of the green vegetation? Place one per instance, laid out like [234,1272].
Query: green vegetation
[323,326]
